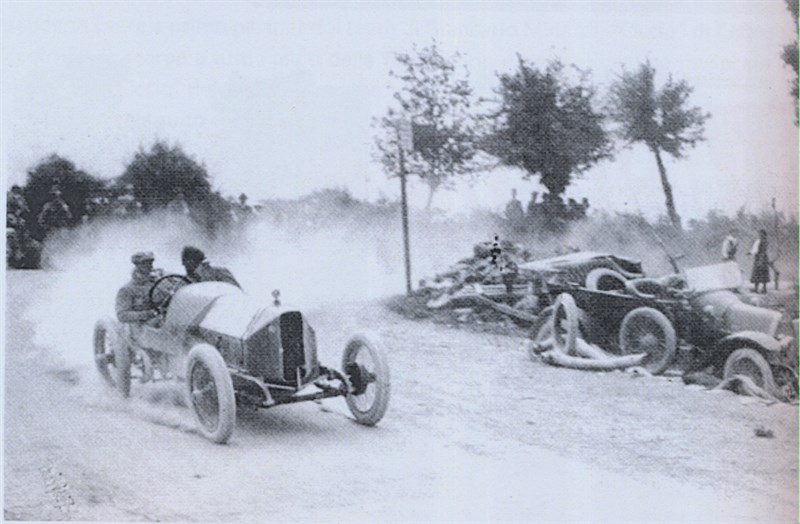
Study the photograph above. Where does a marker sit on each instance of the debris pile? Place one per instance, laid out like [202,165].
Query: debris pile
[488,286]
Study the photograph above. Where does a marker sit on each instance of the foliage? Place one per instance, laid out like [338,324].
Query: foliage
[547,124]
[160,174]
[659,118]
[75,186]
[436,98]
[789,54]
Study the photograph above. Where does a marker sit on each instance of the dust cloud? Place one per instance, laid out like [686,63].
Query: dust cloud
[312,266]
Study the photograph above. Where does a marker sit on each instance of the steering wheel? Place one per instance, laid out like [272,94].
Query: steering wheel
[162,290]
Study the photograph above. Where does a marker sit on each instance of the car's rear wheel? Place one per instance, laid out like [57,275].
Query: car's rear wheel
[105,339]
[210,392]
[753,365]
[364,364]
[647,330]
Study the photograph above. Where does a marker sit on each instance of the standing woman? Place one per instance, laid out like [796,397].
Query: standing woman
[760,274]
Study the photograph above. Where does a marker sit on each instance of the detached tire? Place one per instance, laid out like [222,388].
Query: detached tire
[753,365]
[210,393]
[540,332]
[604,279]
[648,330]
[565,324]
[364,364]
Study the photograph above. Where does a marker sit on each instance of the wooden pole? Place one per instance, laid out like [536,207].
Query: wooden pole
[404,207]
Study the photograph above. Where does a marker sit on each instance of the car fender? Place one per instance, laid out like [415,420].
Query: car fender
[750,338]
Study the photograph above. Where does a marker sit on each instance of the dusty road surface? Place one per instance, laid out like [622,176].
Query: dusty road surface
[475,432]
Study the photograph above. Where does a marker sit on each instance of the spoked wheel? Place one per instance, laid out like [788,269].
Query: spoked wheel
[365,365]
[566,324]
[751,364]
[210,392]
[112,356]
[105,338]
[647,330]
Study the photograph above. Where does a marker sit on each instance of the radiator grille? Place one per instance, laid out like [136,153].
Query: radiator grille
[292,343]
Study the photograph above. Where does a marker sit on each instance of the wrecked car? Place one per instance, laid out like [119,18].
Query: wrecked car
[695,317]
[231,351]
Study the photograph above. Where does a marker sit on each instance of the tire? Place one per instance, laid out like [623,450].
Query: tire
[752,364]
[364,363]
[106,338]
[644,288]
[604,279]
[210,393]
[541,330]
[648,330]
[565,324]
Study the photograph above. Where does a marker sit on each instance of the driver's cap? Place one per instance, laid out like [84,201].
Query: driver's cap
[143,256]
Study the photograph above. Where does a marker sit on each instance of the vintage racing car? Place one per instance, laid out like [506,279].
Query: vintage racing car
[232,351]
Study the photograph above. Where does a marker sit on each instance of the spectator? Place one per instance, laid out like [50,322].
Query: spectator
[729,246]
[55,213]
[760,274]
[514,212]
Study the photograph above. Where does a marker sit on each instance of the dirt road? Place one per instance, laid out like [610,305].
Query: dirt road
[475,432]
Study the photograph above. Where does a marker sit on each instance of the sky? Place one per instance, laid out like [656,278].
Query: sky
[278,99]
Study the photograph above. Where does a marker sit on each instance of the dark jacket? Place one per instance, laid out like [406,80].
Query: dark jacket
[205,272]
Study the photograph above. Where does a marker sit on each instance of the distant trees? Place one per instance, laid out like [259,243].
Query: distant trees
[161,174]
[790,53]
[547,124]
[660,118]
[435,98]
[75,185]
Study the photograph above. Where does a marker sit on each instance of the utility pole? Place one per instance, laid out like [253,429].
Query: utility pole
[404,139]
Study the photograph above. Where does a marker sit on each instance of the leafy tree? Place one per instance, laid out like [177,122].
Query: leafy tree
[159,175]
[547,124]
[790,53]
[435,96]
[660,118]
[76,187]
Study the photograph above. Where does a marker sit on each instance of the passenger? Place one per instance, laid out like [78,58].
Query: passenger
[133,301]
[198,268]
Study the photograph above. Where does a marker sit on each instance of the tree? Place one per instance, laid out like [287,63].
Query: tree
[436,98]
[790,54]
[76,187]
[659,118]
[158,176]
[547,124]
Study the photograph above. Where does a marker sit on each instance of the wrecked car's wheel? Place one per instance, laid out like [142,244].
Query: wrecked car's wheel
[210,392]
[604,279]
[565,324]
[540,336]
[106,339]
[647,330]
[753,365]
[364,364]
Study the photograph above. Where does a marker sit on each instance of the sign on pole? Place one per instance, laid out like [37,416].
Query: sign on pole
[405,134]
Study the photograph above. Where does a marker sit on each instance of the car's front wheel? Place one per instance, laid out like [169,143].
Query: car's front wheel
[753,365]
[210,391]
[366,368]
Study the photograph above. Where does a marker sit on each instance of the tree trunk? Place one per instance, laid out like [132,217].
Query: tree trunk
[662,171]
[431,191]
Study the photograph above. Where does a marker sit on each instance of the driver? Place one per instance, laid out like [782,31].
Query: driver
[133,302]
[198,269]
